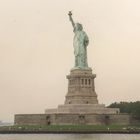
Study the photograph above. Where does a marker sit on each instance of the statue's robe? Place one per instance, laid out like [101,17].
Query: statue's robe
[80,43]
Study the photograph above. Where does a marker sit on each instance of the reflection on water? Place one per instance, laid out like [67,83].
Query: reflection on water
[69,136]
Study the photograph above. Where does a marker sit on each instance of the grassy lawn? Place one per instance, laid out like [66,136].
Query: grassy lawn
[70,127]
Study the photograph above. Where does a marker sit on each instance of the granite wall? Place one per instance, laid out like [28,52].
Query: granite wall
[69,119]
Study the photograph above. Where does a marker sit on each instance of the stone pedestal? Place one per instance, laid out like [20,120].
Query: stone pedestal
[80,108]
[81,97]
[81,89]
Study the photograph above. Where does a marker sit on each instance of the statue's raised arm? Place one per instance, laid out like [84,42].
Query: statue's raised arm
[70,17]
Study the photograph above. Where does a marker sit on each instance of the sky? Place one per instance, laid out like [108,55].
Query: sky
[36,51]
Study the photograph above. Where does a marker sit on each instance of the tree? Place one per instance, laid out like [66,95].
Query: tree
[132,108]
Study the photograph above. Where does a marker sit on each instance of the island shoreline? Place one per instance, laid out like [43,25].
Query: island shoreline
[70,132]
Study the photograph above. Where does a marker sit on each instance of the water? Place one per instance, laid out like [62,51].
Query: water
[69,136]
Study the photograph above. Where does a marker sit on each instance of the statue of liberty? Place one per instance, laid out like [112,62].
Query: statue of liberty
[80,43]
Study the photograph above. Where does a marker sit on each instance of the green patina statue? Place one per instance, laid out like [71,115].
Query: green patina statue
[80,43]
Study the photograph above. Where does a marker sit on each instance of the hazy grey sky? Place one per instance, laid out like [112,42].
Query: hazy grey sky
[36,51]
